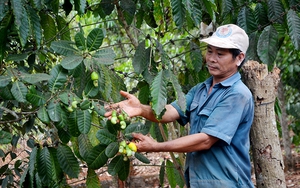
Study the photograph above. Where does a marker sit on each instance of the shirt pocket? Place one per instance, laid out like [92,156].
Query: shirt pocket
[203,116]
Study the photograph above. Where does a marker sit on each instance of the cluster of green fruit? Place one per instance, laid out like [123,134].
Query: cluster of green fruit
[127,149]
[95,77]
[120,118]
[85,104]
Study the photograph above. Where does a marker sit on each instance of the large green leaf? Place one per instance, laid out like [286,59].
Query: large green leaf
[4,8]
[107,6]
[45,166]
[252,49]
[63,29]
[178,11]
[71,62]
[35,78]
[136,127]
[84,145]
[32,165]
[226,7]
[141,58]
[94,39]
[49,27]
[115,165]
[35,97]
[268,46]
[67,161]
[54,110]
[84,120]
[159,93]
[80,41]
[97,157]
[246,20]
[21,20]
[293,21]
[124,170]
[5,137]
[4,80]
[59,78]
[43,115]
[35,25]
[80,6]
[128,9]
[92,179]
[112,149]
[4,25]
[19,91]
[196,56]
[106,137]
[162,172]
[275,10]
[180,96]
[195,10]
[104,56]
[170,170]
[141,158]
[210,7]
[64,47]
[72,124]
[261,14]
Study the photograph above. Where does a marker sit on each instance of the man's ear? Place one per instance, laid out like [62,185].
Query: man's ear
[240,59]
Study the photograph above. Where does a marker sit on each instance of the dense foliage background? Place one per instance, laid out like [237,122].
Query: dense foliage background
[49,49]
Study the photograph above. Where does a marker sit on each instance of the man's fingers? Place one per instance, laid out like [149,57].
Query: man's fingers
[137,136]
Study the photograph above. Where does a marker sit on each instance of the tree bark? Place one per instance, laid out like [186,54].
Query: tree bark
[266,151]
[286,139]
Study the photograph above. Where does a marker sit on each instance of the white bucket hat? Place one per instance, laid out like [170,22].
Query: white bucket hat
[229,36]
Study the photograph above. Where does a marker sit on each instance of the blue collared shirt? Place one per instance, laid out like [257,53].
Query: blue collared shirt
[226,113]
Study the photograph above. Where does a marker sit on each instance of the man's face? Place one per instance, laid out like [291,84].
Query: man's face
[220,63]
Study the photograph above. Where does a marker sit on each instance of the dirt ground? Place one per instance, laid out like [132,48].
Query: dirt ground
[147,176]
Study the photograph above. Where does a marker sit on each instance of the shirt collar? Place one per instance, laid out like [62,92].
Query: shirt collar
[228,82]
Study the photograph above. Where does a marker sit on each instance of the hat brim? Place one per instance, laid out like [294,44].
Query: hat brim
[217,42]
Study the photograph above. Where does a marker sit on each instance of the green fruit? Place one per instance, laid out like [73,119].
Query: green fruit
[74,104]
[114,113]
[114,120]
[95,83]
[70,109]
[123,124]
[123,143]
[125,158]
[128,152]
[121,117]
[94,76]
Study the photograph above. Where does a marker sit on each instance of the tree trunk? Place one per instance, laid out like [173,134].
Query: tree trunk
[286,139]
[266,151]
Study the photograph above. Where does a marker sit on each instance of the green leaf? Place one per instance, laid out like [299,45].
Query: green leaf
[128,8]
[104,56]
[4,80]
[97,157]
[115,165]
[136,127]
[180,96]
[80,6]
[4,25]
[35,25]
[226,7]
[293,21]
[63,28]
[141,58]
[35,78]
[35,97]
[32,165]
[4,8]
[159,93]
[171,173]
[94,39]
[107,6]
[59,78]
[246,20]
[112,149]
[84,120]
[178,11]
[49,27]
[92,179]
[54,110]
[80,41]
[63,47]
[21,20]
[195,10]
[19,91]
[210,7]
[261,14]
[124,171]
[105,137]
[17,57]
[5,137]
[43,115]
[196,56]
[45,166]
[84,145]
[141,158]
[275,11]
[100,109]
[162,173]
[252,49]
[71,62]
[72,124]
[268,46]
[67,161]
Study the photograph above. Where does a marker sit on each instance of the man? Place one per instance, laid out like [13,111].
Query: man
[220,112]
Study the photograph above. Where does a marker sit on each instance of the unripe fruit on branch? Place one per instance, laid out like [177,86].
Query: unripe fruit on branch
[94,76]
[132,146]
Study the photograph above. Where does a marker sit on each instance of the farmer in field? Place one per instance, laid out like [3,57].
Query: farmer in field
[220,113]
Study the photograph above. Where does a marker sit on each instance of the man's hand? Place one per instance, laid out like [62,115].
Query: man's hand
[145,143]
[131,106]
